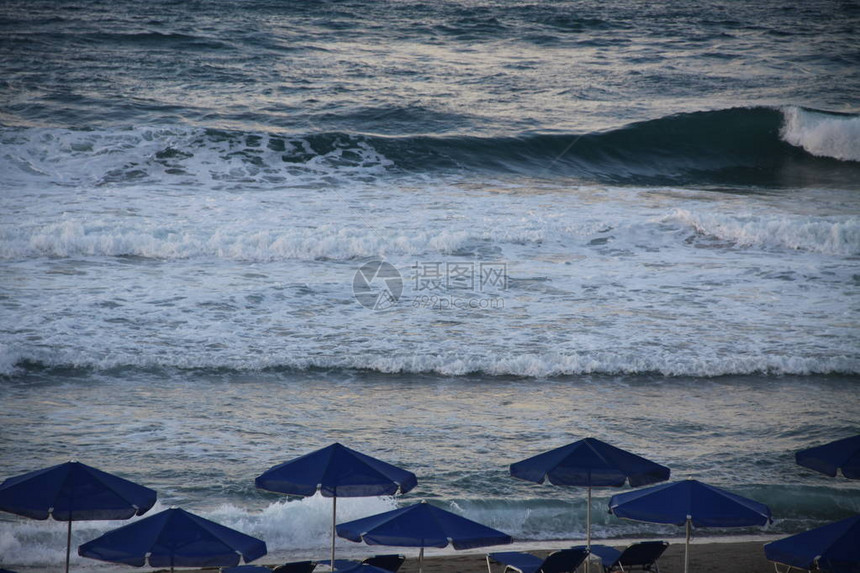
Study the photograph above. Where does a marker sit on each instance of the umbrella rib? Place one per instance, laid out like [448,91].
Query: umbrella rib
[600,456]
[366,464]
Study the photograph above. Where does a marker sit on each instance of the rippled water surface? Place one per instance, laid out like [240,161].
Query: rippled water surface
[630,221]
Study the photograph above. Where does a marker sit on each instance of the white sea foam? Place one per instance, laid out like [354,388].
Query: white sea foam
[821,134]
[261,234]
[623,284]
[702,363]
[81,238]
[600,281]
[837,235]
[261,237]
[300,529]
[301,526]
[43,543]
[178,155]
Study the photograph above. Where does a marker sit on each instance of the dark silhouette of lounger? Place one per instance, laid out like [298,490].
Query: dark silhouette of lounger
[296,567]
[641,556]
[563,561]
[389,562]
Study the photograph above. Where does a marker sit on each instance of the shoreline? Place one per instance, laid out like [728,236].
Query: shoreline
[738,554]
[705,557]
[742,554]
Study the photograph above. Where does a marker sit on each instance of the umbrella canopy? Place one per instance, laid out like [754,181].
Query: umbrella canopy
[842,454]
[690,503]
[421,525]
[174,538]
[74,492]
[336,471]
[589,463]
[834,547]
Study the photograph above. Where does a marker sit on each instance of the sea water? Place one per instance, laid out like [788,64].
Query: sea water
[450,235]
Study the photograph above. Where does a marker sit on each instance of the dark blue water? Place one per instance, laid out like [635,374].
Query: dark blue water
[614,92]
[636,221]
[404,68]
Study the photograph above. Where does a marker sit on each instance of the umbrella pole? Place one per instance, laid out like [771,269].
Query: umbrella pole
[588,529]
[687,547]
[68,544]
[421,559]
[333,526]
[588,521]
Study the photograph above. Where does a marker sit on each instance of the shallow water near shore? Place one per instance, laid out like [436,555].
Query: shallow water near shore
[201,437]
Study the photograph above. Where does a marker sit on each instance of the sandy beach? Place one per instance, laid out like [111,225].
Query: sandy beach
[710,556]
[738,557]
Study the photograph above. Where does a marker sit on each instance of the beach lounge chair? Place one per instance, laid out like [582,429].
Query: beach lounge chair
[641,556]
[389,562]
[296,567]
[564,561]
[339,564]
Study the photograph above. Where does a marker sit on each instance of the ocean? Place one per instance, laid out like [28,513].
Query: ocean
[450,235]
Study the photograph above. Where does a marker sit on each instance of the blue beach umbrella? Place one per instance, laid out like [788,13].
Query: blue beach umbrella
[690,503]
[336,471]
[174,538]
[834,548]
[421,525]
[827,459]
[74,492]
[589,463]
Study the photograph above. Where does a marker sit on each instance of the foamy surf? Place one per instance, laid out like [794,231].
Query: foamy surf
[650,361]
[827,235]
[740,146]
[823,135]
[300,529]
[262,236]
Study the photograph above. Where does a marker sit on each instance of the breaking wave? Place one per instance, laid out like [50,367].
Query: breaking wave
[759,146]
[299,529]
[822,235]
[529,365]
[823,135]
[261,237]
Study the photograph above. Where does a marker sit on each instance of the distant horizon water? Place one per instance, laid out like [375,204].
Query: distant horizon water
[449,235]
